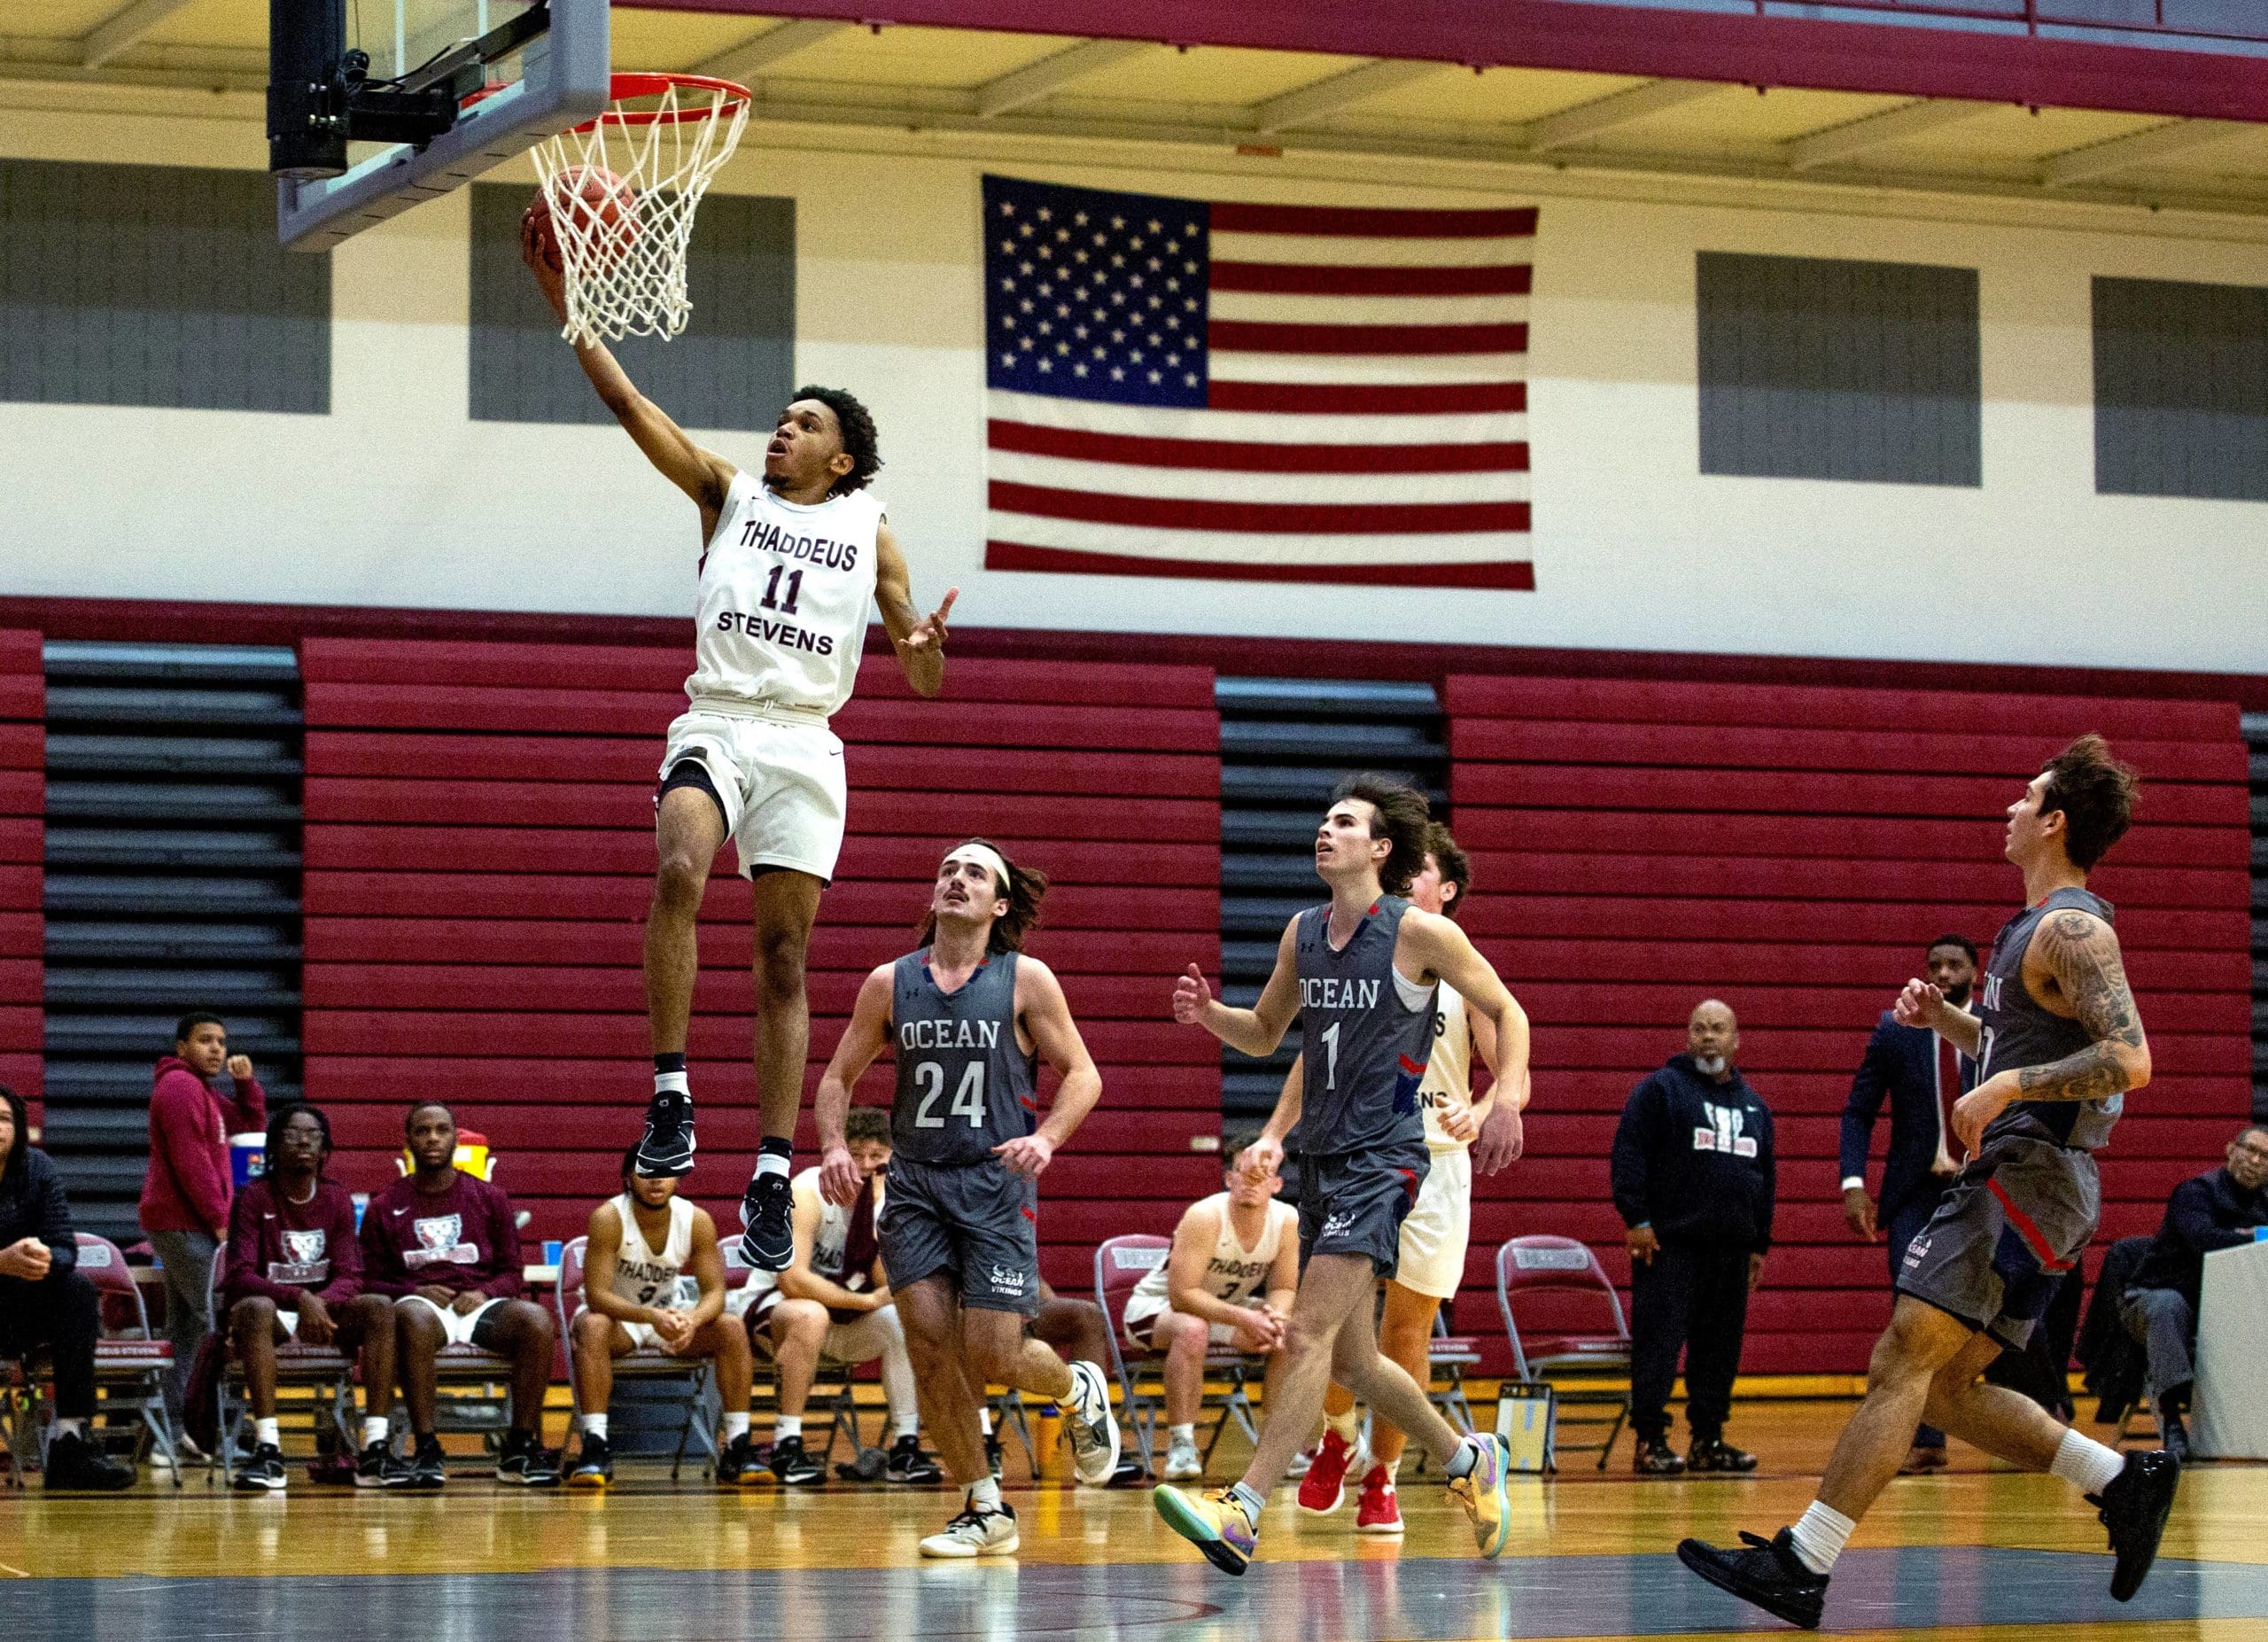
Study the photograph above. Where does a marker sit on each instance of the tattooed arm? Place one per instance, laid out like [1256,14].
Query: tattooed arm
[2072,967]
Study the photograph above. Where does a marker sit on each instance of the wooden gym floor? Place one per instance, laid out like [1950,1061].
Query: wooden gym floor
[1979,1553]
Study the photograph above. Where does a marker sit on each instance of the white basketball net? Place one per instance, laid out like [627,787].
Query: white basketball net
[623,257]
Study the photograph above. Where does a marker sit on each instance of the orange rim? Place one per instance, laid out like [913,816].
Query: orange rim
[626,87]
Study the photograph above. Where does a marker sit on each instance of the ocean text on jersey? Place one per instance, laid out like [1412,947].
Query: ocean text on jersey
[948,1034]
[1324,991]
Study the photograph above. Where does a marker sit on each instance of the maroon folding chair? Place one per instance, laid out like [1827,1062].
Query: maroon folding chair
[1577,1338]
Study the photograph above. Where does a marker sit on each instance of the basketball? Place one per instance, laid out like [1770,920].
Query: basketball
[601,210]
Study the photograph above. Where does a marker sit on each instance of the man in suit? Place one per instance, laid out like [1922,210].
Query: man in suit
[1923,1075]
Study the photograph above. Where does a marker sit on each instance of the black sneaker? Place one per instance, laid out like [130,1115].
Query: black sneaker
[377,1466]
[1716,1454]
[667,1145]
[793,1467]
[740,1465]
[263,1473]
[1766,1573]
[594,1464]
[994,1454]
[908,1463]
[767,1215]
[74,1463]
[429,1466]
[526,1462]
[2173,1436]
[1656,1457]
[2134,1509]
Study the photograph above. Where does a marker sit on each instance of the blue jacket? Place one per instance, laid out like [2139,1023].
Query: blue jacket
[1901,1062]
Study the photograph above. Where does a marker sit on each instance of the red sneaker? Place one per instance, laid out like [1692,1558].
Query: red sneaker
[1380,1513]
[1324,1486]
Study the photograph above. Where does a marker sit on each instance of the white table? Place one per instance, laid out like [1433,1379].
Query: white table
[2232,1397]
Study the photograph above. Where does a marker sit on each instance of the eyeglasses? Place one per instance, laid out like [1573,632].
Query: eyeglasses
[2258,1154]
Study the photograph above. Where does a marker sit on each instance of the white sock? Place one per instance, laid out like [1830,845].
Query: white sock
[985,1420]
[1344,1424]
[594,1425]
[985,1496]
[1819,1536]
[1250,1498]
[1465,1460]
[906,1425]
[2085,1463]
[772,1162]
[377,1430]
[735,1425]
[670,1082]
[70,1427]
[1393,1469]
[1181,1433]
[267,1431]
[787,1425]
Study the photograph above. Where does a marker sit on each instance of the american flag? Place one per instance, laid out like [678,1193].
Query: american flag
[1179,387]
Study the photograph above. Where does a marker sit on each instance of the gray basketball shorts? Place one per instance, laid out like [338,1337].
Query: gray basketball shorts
[2013,1223]
[977,1224]
[1353,1203]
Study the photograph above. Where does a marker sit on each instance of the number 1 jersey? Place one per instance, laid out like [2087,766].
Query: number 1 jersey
[964,1086]
[785,595]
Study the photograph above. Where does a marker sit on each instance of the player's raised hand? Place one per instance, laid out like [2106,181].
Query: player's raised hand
[930,633]
[1027,1155]
[240,1068]
[839,1179]
[1190,995]
[550,279]
[1264,1157]
[1918,1004]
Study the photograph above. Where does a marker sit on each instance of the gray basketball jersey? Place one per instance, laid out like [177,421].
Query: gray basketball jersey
[1365,1042]
[2019,1033]
[963,1085]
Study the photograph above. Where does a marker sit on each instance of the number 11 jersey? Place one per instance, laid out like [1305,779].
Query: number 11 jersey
[964,1085]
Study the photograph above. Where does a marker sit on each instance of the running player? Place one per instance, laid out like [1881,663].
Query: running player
[2060,1042]
[641,1247]
[1438,1226]
[790,562]
[1361,973]
[970,1018]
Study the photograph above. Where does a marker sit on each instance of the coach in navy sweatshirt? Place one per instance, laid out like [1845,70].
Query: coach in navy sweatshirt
[1693,1180]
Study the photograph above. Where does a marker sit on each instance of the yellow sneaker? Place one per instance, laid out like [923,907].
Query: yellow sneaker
[1215,1523]
[1486,1495]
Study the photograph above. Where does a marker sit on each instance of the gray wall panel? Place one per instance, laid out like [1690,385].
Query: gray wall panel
[157,286]
[733,366]
[1812,368]
[2181,390]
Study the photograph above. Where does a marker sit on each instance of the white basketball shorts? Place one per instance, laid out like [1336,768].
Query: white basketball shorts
[780,783]
[1438,1227]
[456,1326]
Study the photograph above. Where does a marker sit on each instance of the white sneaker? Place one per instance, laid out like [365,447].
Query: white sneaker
[1182,1463]
[975,1533]
[1093,1433]
[1301,1463]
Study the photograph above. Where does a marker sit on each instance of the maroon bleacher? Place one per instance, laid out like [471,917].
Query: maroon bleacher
[1640,846]
[479,854]
[23,787]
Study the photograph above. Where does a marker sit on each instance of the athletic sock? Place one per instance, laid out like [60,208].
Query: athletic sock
[69,1427]
[2085,1463]
[1250,1498]
[1820,1535]
[773,1156]
[668,1074]
[735,1425]
[1462,1462]
[594,1425]
[375,1430]
[906,1425]
[787,1425]
[1393,1469]
[1345,1425]
[985,1420]
[985,1496]
[1181,1433]
[268,1431]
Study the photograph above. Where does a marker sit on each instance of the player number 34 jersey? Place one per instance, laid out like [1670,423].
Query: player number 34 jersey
[786,592]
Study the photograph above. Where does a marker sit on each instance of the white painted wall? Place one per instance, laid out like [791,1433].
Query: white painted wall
[397,498]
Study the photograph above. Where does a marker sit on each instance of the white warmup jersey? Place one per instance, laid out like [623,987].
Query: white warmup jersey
[1448,1071]
[645,1275]
[786,592]
[1234,1273]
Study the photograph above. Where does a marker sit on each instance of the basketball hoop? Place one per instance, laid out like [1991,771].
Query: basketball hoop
[621,189]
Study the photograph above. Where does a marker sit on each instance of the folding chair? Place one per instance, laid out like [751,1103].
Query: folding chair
[130,1361]
[1561,1280]
[646,1362]
[1121,1264]
[327,1372]
[19,1414]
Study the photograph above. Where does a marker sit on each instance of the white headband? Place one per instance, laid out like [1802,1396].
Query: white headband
[985,855]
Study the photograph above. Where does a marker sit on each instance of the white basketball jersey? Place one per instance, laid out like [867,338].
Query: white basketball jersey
[785,597]
[645,1275]
[1448,1071]
[1234,1273]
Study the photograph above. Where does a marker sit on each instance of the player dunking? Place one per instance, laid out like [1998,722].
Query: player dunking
[789,563]
[2059,1043]
[1361,972]
[971,1017]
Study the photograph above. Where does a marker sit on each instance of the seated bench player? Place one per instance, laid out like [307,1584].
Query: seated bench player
[646,1246]
[444,1249]
[834,1301]
[294,1271]
[1229,1280]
